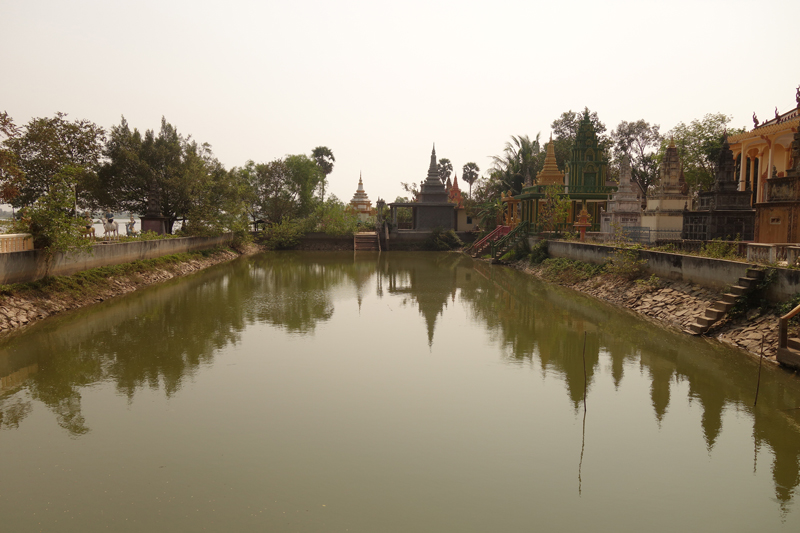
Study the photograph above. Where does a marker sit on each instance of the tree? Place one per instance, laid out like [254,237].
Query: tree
[555,208]
[445,167]
[640,141]
[324,158]
[565,129]
[193,186]
[10,173]
[46,146]
[304,176]
[519,160]
[412,189]
[699,144]
[469,173]
[49,218]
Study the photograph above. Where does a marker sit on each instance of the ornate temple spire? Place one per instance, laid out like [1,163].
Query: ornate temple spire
[433,170]
[550,175]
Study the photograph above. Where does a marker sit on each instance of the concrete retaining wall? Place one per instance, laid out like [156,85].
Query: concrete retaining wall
[20,267]
[323,241]
[717,274]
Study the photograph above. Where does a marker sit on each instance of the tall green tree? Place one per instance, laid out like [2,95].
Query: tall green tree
[47,145]
[522,157]
[565,129]
[699,144]
[305,177]
[641,141]
[49,218]
[10,173]
[325,160]
[445,168]
[469,173]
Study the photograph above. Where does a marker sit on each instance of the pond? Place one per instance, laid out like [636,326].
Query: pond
[386,392]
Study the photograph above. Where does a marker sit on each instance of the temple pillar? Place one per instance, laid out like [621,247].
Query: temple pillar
[742,167]
[769,173]
[751,173]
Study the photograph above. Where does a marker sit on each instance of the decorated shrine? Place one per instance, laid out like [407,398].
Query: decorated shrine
[769,166]
[361,203]
[725,212]
[584,181]
[625,207]
[432,208]
[665,207]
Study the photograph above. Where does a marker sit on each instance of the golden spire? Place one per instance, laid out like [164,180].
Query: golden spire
[550,175]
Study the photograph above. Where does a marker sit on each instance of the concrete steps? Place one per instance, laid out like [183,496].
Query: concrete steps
[789,357]
[717,310]
[366,242]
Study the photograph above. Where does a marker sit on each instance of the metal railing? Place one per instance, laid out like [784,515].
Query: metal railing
[510,238]
[783,327]
[482,244]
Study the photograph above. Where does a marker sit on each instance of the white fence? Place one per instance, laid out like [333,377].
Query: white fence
[16,242]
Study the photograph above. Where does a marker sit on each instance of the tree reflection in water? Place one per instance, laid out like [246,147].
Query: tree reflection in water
[160,337]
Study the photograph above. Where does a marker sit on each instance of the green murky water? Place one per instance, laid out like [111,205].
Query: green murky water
[400,392]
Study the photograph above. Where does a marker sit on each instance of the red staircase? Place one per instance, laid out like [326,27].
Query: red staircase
[497,233]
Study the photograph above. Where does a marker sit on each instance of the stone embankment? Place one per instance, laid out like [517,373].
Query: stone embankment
[23,308]
[677,305]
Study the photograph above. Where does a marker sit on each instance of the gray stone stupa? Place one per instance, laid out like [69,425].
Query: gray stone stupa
[624,208]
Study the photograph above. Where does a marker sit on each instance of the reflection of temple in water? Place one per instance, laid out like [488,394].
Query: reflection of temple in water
[531,321]
[535,320]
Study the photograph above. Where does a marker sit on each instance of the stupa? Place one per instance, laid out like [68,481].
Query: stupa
[665,207]
[432,209]
[624,208]
[725,212]
[361,203]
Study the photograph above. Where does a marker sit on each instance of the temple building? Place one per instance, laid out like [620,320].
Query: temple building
[463,221]
[584,182]
[432,208]
[725,211]
[361,203]
[625,206]
[664,212]
[769,166]
[765,151]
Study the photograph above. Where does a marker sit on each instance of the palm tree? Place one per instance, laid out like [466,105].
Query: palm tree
[324,158]
[520,158]
[469,173]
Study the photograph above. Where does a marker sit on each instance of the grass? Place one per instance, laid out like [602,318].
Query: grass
[88,282]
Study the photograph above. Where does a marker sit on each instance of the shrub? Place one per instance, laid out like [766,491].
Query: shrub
[719,249]
[440,241]
[625,263]
[567,271]
[538,252]
[285,234]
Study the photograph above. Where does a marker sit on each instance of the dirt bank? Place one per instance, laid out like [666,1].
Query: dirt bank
[676,305]
[29,303]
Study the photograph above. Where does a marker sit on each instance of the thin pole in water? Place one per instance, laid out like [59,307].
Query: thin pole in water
[760,360]
[583,438]
[585,384]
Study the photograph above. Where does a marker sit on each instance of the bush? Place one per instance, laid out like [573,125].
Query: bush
[285,234]
[441,241]
[538,252]
[719,249]
[567,271]
[625,263]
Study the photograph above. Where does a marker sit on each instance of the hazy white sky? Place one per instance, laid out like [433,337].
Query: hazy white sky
[380,82]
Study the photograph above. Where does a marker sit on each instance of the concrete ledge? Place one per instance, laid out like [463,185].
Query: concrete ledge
[717,274]
[20,267]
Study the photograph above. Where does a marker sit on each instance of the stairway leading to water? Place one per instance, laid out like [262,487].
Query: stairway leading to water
[366,241]
[717,310]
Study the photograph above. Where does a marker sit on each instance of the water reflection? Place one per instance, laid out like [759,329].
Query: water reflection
[160,338]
